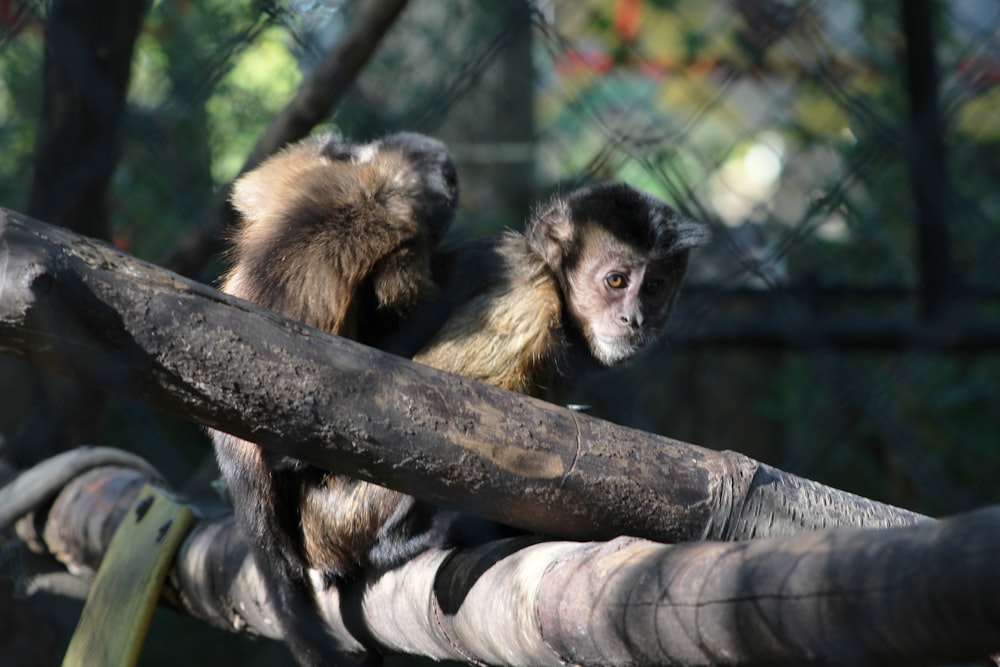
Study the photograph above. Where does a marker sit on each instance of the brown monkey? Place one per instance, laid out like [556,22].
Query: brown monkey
[590,282]
[338,236]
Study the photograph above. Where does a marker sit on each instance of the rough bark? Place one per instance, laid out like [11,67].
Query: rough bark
[925,594]
[80,307]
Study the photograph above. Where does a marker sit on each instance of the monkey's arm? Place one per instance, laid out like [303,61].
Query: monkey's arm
[260,493]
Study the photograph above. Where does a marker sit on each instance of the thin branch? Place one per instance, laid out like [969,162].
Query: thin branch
[928,164]
[315,100]
[805,330]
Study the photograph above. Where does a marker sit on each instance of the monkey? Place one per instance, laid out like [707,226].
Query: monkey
[589,283]
[303,212]
[338,236]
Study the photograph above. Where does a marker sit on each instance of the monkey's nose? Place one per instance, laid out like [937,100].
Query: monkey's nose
[633,320]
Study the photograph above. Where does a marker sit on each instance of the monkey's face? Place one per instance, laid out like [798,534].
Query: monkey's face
[618,296]
[620,255]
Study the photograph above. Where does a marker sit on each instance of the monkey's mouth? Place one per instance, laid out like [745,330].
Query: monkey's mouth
[616,350]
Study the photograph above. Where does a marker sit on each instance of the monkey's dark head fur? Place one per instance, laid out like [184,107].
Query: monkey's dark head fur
[436,184]
[339,235]
[429,177]
[632,216]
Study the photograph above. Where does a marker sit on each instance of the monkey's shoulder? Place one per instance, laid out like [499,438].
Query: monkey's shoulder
[505,315]
[496,265]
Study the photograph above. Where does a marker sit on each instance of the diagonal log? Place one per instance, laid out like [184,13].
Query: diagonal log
[80,307]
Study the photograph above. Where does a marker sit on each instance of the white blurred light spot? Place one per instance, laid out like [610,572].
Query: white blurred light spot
[746,183]
[761,166]
[833,229]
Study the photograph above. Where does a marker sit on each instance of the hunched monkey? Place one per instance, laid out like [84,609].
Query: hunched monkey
[342,237]
[339,236]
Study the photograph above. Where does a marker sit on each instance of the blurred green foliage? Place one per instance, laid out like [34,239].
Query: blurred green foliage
[20,106]
[686,110]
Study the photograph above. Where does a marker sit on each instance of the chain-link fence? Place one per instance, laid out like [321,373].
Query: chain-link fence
[843,322]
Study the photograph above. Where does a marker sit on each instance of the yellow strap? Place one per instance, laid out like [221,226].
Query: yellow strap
[126,589]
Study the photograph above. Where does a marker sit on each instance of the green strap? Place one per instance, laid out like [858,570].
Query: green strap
[127,587]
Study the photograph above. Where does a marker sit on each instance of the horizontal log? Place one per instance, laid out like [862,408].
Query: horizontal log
[924,594]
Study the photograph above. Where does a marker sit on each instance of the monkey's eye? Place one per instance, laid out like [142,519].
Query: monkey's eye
[652,286]
[616,280]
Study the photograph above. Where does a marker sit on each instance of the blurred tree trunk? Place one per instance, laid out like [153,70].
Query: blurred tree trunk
[88,56]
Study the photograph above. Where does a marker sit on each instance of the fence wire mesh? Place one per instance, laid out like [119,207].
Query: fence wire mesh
[843,322]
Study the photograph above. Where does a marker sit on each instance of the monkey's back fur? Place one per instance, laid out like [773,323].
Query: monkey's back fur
[318,220]
[490,335]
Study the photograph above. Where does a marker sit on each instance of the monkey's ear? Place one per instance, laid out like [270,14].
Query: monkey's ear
[674,233]
[689,234]
[551,232]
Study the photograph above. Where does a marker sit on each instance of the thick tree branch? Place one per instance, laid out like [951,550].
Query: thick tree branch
[81,307]
[926,594]
[315,99]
